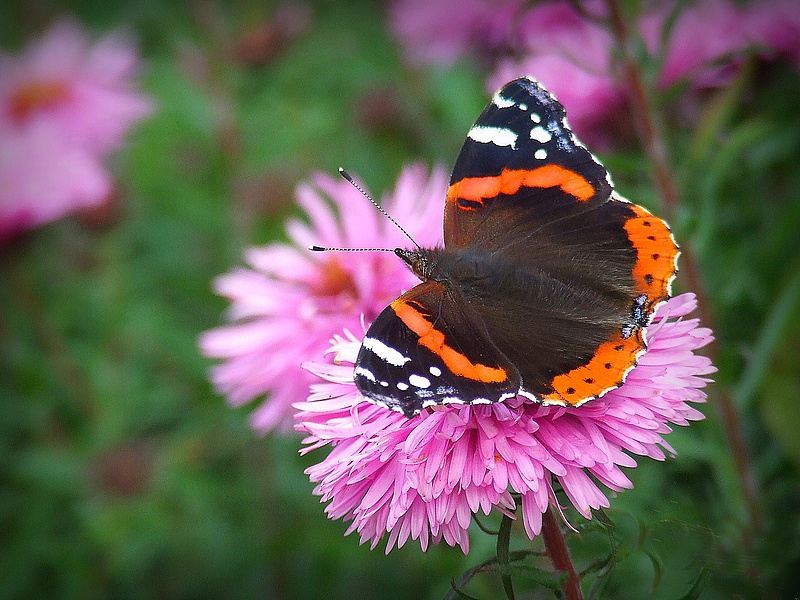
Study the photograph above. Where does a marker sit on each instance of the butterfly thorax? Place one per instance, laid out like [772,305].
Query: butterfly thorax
[465,269]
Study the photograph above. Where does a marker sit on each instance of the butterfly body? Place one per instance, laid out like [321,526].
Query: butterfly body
[545,283]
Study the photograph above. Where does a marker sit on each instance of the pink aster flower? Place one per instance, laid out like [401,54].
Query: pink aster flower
[43,177]
[288,302]
[442,31]
[774,26]
[701,46]
[592,98]
[65,104]
[571,56]
[423,478]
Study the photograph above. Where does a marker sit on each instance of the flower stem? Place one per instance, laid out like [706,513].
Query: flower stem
[503,542]
[556,547]
[644,116]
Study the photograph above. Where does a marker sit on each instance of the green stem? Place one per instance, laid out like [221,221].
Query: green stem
[503,542]
[50,340]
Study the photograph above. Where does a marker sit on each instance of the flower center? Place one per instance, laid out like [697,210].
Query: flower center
[36,95]
[335,281]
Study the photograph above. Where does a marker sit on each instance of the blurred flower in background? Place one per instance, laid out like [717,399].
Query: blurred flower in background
[424,477]
[442,31]
[572,57]
[568,47]
[289,302]
[703,46]
[774,26]
[65,105]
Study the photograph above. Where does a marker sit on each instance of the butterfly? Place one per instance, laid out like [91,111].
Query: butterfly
[546,281]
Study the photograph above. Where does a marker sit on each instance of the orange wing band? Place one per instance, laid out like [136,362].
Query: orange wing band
[434,341]
[657,254]
[509,181]
[604,372]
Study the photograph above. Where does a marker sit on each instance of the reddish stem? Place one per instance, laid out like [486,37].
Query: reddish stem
[557,549]
[644,116]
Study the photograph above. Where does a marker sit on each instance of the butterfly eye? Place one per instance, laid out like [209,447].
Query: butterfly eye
[420,267]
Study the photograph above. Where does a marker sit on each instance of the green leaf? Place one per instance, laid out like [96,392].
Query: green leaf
[771,335]
[458,593]
[658,567]
[698,585]
[549,579]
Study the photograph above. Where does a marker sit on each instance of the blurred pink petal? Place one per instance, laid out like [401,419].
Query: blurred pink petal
[558,28]
[774,26]
[593,100]
[571,57]
[43,178]
[701,46]
[64,105]
[442,31]
[422,478]
[289,302]
[83,92]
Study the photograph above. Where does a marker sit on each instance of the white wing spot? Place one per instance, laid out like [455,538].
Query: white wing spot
[499,136]
[402,386]
[435,371]
[540,134]
[541,154]
[501,101]
[536,118]
[386,353]
[365,373]
[419,381]
[452,400]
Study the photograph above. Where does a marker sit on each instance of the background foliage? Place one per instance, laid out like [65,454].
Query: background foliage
[123,474]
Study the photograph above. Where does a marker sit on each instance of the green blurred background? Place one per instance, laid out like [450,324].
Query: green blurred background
[124,475]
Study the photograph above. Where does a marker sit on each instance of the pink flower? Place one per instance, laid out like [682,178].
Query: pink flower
[702,44]
[290,301]
[64,106]
[558,28]
[424,477]
[571,56]
[42,177]
[774,25]
[442,31]
[592,99]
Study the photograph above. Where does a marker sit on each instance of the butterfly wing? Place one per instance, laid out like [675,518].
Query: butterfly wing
[428,347]
[582,267]
[520,145]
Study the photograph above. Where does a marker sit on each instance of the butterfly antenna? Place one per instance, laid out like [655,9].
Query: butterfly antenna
[316,248]
[347,176]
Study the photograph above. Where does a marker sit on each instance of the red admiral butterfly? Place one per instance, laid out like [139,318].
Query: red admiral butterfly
[545,283]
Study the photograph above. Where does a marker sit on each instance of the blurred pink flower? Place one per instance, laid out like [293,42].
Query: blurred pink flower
[424,477]
[593,100]
[558,28]
[64,106]
[289,302]
[571,57]
[442,31]
[774,26]
[701,47]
